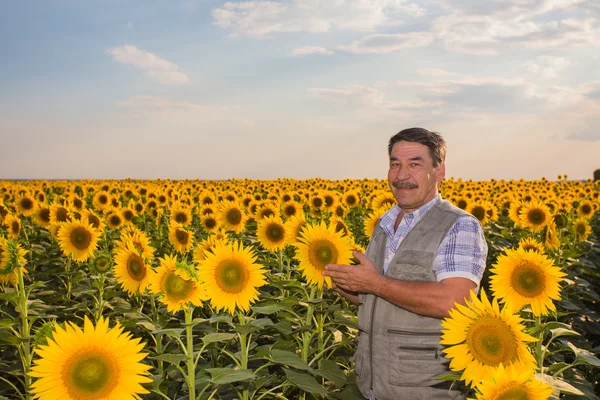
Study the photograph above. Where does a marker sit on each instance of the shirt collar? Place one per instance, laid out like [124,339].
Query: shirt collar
[410,218]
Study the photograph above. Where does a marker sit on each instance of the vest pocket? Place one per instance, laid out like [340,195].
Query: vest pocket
[415,358]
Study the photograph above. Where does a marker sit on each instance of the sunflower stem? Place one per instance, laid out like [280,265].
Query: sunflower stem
[159,336]
[25,345]
[539,352]
[191,378]
[69,284]
[100,302]
[244,349]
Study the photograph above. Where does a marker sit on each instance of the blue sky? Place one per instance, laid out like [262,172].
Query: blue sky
[265,89]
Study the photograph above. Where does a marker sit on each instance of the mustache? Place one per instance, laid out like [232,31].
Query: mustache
[404,185]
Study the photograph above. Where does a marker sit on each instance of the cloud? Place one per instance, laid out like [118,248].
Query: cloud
[547,66]
[301,51]
[262,18]
[388,43]
[155,67]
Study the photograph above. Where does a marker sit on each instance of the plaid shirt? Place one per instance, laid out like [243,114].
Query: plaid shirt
[462,252]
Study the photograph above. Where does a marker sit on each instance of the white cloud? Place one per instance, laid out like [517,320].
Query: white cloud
[547,66]
[301,51]
[156,68]
[261,18]
[388,43]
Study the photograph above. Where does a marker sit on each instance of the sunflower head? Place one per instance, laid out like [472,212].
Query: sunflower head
[181,238]
[513,382]
[78,239]
[535,215]
[101,263]
[270,233]
[582,228]
[177,284]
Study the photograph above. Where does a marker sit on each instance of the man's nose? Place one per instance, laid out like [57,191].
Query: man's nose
[402,173]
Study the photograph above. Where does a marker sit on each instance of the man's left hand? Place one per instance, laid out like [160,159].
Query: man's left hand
[361,278]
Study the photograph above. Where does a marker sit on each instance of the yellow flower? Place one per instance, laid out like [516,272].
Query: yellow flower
[318,246]
[232,216]
[513,383]
[93,363]
[25,205]
[231,276]
[7,271]
[13,223]
[526,278]
[175,286]
[551,242]
[209,222]
[535,215]
[585,209]
[294,227]
[78,240]
[582,228]
[531,244]
[131,269]
[59,214]
[181,238]
[270,233]
[42,216]
[480,337]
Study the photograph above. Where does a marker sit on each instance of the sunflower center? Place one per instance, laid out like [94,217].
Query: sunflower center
[462,204]
[62,215]
[290,211]
[231,276]
[103,199]
[580,229]
[90,374]
[491,341]
[176,287]
[536,216]
[182,236]
[45,215]
[528,280]
[128,215]
[210,223]
[102,264]
[514,393]
[94,221]
[136,267]
[317,202]
[115,220]
[478,212]
[15,227]
[27,204]
[586,209]
[78,203]
[234,216]
[351,200]
[81,238]
[181,218]
[322,252]
[275,233]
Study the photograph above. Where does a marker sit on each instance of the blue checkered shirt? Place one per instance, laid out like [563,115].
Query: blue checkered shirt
[462,252]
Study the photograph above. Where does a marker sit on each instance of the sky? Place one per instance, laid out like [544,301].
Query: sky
[211,89]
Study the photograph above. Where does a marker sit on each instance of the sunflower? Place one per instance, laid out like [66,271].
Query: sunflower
[127,214]
[231,277]
[114,219]
[25,205]
[180,214]
[514,212]
[294,228]
[270,233]
[59,214]
[93,219]
[551,242]
[140,240]
[526,278]
[93,363]
[175,286]
[4,211]
[318,246]
[13,223]
[209,222]
[206,246]
[582,228]
[75,202]
[78,240]
[513,383]
[480,337]
[101,200]
[101,263]
[181,238]
[531,244]
[291,208]
[371,221]
[266,209]
[339,210]
[131,269]
[384,199]
[585,209]
[231,216]
[340,226]
[42,216]
[535,215]
[351,199]
[7,267]
[479,209]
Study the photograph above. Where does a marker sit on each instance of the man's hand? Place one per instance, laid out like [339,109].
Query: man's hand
[361,278]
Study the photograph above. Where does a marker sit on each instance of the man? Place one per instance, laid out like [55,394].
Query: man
[425,254]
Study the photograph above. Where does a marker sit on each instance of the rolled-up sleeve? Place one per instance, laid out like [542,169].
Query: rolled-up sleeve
[463,251]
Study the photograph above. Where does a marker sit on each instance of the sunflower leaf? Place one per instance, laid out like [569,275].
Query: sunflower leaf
[561,385]
[174,359]
[304,382]
[331,371]
[289,359]
[221,376]
[583,356]
[267,310]
[563,332]
[217,337]
[173,332]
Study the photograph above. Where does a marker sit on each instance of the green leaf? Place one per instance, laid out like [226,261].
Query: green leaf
[267,310]
[450,376]
[583,356]
[221,318]
[147,324]
[217,337]
[558,384]
[289,359]
[174,359]
[331,371]
[221,376]
[563,332]
[173,332]
[304,382]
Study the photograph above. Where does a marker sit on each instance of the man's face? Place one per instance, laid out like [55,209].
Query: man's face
[412,177]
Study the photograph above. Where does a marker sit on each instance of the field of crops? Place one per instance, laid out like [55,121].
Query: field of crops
[213,289]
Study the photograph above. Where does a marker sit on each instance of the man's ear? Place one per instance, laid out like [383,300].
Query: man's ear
[442,172]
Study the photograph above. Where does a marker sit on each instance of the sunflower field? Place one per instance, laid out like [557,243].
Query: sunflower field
[213,289]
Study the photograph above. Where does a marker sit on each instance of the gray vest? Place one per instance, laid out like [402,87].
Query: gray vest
[398,354]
